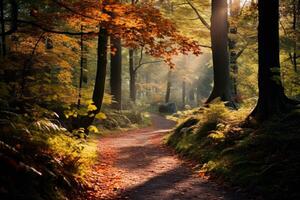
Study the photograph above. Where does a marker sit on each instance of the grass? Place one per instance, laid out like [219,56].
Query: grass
[265,161]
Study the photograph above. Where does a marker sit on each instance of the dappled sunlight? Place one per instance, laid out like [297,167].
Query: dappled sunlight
[149,100]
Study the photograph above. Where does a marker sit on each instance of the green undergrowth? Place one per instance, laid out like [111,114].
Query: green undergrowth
[39,159]
[125,119]
[265,160]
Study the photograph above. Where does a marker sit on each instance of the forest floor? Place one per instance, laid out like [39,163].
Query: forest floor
[136,165]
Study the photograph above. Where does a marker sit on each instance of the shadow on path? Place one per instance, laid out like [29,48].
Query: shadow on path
[150,171]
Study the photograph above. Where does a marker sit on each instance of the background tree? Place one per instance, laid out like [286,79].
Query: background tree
[116,72]
[219,41]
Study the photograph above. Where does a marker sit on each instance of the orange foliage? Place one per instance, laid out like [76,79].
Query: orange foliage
[139,25]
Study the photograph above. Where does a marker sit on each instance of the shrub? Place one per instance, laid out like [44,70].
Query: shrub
[39,159]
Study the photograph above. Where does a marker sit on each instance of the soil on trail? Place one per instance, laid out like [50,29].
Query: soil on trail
[136,165]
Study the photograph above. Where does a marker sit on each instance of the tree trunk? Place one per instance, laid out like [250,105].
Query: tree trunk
[272,100]
[219,42]
[147,88]
[183,93]
[234,14]
[99,87]
[3,44]
[132,74]
[168,91]
[294,27]
[191,95]
[116,73]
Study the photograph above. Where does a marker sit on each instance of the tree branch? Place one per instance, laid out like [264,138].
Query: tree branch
[145,63]
[32,23]
[73,11]
[205,46]
[27,63]
[203,21]
[141,58]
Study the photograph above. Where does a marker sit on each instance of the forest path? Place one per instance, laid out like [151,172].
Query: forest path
[136,165]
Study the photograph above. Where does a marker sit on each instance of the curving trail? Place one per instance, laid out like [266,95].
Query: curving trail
[135,165]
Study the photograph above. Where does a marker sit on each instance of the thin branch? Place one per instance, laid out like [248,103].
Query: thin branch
[32,23]
[205,46]
[140,64]
[145,63]
[141,58]
[241,51]
[203,21]
[73,11]
[26,66]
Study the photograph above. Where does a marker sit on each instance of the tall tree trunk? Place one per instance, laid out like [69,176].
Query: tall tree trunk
[81,69]
[169,84]
[3,44]
[99,88]
[272,100]
[191,95]
[132,74]
[183,93]
[219,42]
[116,73]
[294,27]
[234,13]
[147,88]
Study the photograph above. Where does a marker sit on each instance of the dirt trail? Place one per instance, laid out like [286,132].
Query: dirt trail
[135,165]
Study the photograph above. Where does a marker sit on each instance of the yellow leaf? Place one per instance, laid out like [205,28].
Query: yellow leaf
[101,115]
[94,129]
[92,107]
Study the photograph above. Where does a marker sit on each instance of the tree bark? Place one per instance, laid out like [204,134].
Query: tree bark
[234,13]
[3,44]
[183,93]
[99,88]
[219,41]
[272,100]
[191,95]
[294,27]
[116,73]
[169,84]
[132,74]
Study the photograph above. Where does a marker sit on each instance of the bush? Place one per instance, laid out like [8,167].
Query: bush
[264,161]
[39,159]
[124,119]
